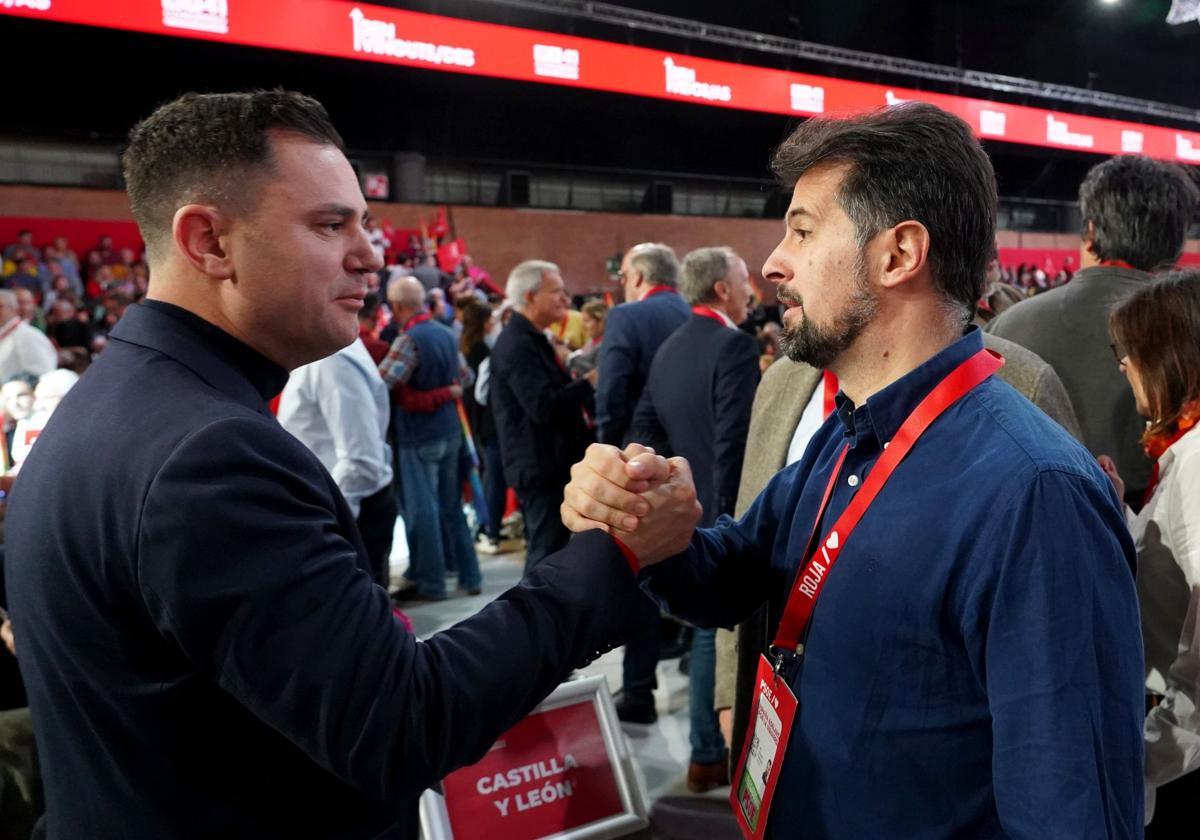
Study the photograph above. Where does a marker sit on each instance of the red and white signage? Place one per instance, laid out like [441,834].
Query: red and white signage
[557,772]
[393,36]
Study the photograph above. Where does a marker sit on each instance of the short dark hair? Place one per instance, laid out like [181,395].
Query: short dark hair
[1158,325]
[208,148]
[1139,210]
[910,161]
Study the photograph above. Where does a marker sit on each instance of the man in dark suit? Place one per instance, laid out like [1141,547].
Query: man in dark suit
[542,414]
[697,402]
[205,652]
[1135,214]
[633,332]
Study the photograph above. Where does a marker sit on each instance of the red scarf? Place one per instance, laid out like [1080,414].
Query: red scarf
[1156,444]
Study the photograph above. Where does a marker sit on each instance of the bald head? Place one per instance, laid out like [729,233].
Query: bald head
[406,292]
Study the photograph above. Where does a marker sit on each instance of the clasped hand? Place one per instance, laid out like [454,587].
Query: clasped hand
[645,500]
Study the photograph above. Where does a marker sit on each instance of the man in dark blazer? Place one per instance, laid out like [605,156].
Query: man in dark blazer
[633,332]
[1135,214]
[542,415]
[205,651]
[697,405]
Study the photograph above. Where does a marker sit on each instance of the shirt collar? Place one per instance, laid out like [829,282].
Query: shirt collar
[885,411]
[265,376]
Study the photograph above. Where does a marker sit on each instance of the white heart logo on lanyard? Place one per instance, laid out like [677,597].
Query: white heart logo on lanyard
[832,542]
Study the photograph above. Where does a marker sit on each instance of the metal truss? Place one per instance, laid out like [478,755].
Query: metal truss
[745,39]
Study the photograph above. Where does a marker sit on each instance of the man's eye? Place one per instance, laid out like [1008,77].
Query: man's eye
[333,227]
[800,234]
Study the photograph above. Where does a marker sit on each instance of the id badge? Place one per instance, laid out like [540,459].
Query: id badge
[757,774]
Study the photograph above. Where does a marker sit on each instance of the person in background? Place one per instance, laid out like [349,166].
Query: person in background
[541,413]
[595,313]
[23,349]
[1135,213]
[478,324]
[1156,339]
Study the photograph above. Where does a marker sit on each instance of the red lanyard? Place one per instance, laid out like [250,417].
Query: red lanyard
[417,319]
[1117,264]
[707,312]
[811,578]
[831,389]
[657,290]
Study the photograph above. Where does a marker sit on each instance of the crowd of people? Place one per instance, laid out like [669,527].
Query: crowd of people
[984,629]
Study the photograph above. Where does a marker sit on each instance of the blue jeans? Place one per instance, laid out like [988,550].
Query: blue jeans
[708,744]
[438,535]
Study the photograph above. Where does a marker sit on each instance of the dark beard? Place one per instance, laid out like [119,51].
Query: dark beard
[820,346]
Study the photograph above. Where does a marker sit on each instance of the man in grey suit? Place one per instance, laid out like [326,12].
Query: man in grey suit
[779,404]
[1135,214]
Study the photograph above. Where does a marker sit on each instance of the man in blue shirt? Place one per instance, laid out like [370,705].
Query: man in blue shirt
[973,665]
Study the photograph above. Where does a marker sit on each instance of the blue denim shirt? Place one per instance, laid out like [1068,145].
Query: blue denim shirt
[974,663]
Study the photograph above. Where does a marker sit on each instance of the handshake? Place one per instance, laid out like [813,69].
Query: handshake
[646,501]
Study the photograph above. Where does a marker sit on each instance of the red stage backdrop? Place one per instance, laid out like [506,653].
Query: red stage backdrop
[392,36]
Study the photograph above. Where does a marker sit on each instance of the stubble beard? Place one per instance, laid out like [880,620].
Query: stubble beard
[819,346]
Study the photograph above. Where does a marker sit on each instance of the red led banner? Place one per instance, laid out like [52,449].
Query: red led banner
[391,36]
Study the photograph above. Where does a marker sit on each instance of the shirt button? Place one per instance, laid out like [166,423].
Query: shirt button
[852,481]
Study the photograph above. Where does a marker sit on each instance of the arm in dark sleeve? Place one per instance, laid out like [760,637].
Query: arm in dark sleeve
[541,396]
[645,428]
[242,564]
[1055,638]
[733,392]
[618,361]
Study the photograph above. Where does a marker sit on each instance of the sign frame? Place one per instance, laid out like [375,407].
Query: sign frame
[435,816]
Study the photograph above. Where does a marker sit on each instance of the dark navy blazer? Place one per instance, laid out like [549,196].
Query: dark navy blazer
[633,332]
[205,652]
[696,404]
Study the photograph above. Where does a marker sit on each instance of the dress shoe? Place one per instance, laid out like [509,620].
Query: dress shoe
[630,711]
[702,778]
[411,594]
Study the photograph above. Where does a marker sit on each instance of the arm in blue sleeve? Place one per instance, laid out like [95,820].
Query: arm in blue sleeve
[1054,635]
[725,574]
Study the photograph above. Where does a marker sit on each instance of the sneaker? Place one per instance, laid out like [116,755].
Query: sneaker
[487,545]
[632,711]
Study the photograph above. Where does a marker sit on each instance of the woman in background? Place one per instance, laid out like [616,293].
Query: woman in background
[478,325]
[1156,339]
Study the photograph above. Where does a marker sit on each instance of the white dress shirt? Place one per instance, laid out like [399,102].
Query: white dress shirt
[25,349]
[810,420]
[338,408]
[1167,535]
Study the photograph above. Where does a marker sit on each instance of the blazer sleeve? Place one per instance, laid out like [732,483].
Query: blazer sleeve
[541,396]
[737,378]
[1050,395]
[646,428]
[243,565]
[618,361]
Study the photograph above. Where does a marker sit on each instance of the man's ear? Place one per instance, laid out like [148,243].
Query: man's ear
[721,290]
[198,231]
[905,253]
[1089,238]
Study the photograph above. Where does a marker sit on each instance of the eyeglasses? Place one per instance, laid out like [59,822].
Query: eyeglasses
[1119,352]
